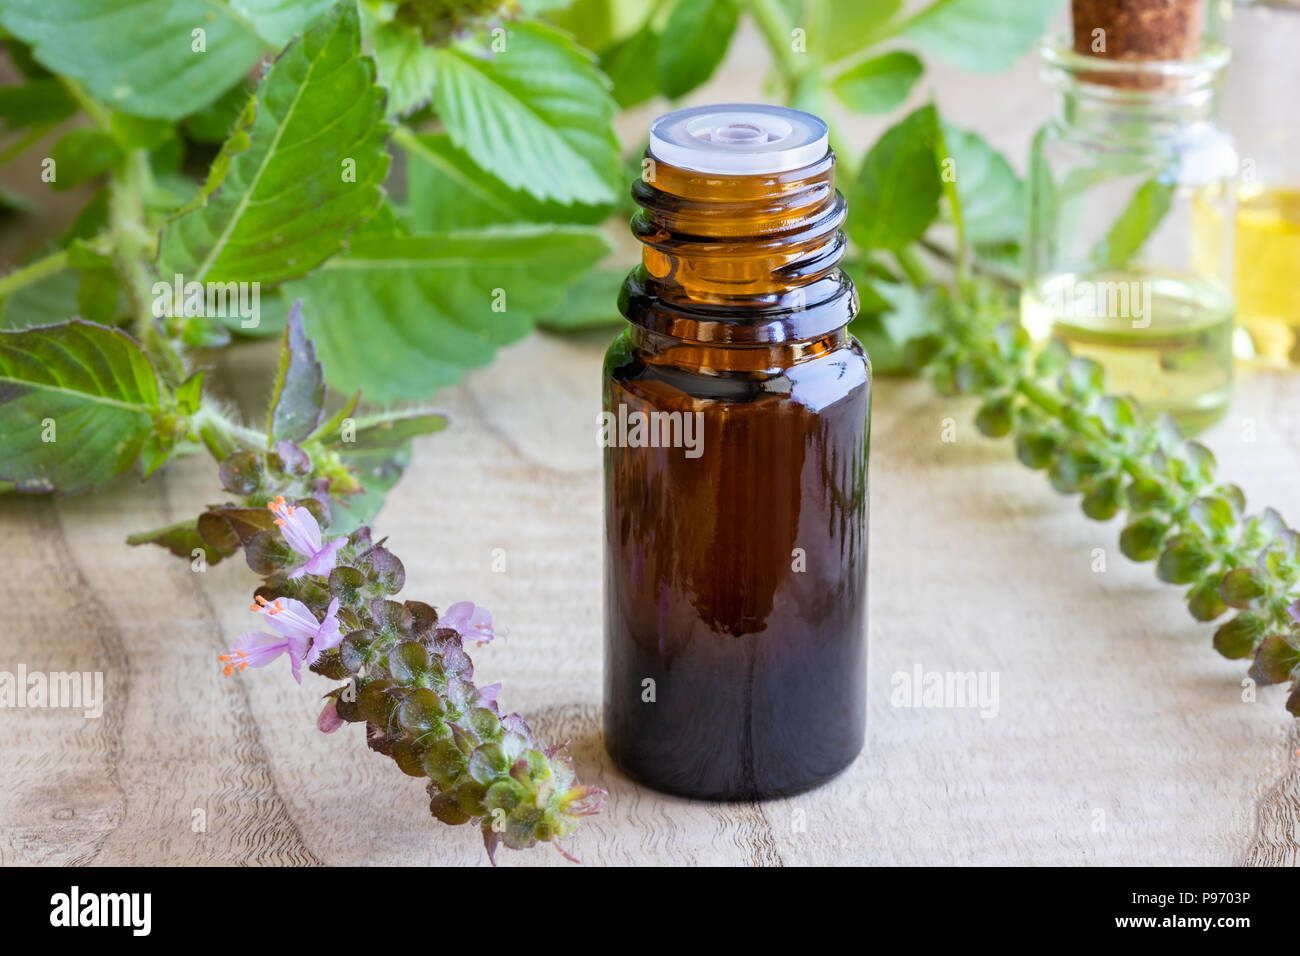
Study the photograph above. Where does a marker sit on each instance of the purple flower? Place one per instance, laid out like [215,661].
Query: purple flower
[329,719]
[471,622]
[1294,611]
[303,534]
[299,635]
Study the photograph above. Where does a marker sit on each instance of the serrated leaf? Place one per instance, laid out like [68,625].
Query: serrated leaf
[216,121]
[429,302]
[390,428]
[90,389]
[277,21]
[992,196]
[46,301]
[538,114]
[908,314]
[138,55]
[846,25]
[407,67]
[628,64]
[895,197]
[981,35]
[590,303]
[283,205]
[35,102]
[446,191]
[694,41]
[81,155]
[879,84]
[298,393]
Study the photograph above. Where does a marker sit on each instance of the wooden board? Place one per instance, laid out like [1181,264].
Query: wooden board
[1113,708]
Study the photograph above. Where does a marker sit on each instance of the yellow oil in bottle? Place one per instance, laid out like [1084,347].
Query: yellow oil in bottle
[1266,268]
[1164,338]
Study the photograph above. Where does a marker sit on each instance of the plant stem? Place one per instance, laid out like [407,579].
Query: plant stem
[912,266]
[222,435]
[771,22]
[947,255]
[102,117]
[24,142]
[134,246]
[33,272]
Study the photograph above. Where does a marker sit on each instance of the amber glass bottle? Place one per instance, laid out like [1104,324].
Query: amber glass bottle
[736,424]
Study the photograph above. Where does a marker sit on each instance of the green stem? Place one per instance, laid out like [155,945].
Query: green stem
[134,247]
[102,117]
[771,22]
[33,272]
[886,31]
[940,251]
[222,435]
[912,266]
[24,142]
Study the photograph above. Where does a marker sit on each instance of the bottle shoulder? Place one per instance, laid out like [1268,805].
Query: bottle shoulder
[815,381]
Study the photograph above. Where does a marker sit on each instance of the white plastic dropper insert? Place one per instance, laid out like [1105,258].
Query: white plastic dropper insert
[738,138]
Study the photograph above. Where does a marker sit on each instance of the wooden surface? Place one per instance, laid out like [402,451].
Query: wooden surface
[1113,708]
[1111,698]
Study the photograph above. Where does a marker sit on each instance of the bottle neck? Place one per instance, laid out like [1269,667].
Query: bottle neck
[1132,99]
[739,259]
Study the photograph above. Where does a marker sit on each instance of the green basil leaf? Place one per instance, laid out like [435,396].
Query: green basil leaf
[183,53]
[694,41]
[282,196]
[879,84]
[77,402]
[980,35]
[436,306]
[895,197]
[538,114]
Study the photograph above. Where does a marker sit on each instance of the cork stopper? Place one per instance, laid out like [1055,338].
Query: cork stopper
[1137,32]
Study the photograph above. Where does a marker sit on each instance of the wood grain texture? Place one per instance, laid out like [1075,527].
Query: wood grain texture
[1113,707]
[1121,736]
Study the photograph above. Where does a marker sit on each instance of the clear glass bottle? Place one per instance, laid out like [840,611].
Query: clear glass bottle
[1261,108]
[736,557]
[1117,180]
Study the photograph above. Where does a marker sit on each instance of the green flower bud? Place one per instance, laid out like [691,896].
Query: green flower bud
[1083,379]
[1204,601]
[1141,540]
[1276,660]
[1184,559]
[1242,587]
[1148,494]
[1118,415]
[995,416]
[1052,359]
[1212,516]
[1035,448]
[1105,499]
[1237,638]
[444,762]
